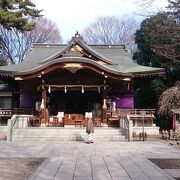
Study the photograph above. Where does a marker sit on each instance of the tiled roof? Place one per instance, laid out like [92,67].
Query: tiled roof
[117,59]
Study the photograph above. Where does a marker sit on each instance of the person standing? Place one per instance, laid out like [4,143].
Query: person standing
[90,130]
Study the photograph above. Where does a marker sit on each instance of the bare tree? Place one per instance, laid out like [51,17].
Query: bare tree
[46,31]
[174,10]
[111,30]
[145,3]
[14,43]
[170,99]
[10,45]
[148,8]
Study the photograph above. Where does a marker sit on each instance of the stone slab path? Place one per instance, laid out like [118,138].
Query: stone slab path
[97,161]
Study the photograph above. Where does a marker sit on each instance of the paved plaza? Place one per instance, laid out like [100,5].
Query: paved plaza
[98,161]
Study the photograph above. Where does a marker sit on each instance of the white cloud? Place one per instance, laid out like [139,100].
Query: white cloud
[73,15]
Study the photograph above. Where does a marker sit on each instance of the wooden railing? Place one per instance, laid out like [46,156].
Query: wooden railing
[8,112]
[125,112]
[120,112]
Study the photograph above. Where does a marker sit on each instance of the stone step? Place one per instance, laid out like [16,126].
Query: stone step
[67,139]
[69,129]
[65,131]
[66,134]
[70,136]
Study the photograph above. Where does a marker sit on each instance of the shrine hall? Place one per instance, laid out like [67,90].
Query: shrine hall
[72,81]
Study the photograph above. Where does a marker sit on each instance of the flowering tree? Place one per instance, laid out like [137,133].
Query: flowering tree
[170,99]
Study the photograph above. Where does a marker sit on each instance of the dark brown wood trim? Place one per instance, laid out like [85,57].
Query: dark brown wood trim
[85,66]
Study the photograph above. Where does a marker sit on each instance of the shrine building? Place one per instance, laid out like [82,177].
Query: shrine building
[72,80]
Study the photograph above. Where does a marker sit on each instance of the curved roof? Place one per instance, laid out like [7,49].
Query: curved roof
[114,59]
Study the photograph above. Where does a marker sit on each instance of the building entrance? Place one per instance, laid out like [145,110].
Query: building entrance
[74,102]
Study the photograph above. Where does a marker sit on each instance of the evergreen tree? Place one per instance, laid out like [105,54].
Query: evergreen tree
[15,14]
[158,44]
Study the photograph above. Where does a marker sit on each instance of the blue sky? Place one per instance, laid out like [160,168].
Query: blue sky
[72,15]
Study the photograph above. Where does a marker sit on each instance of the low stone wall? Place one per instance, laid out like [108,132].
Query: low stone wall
[3,132]
[153,130]
[17,122]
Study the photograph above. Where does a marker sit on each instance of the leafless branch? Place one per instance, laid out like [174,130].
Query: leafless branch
[14,43]
[145,3]
[111,30]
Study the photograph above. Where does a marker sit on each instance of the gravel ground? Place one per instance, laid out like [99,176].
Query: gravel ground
[18,168]
[167,163]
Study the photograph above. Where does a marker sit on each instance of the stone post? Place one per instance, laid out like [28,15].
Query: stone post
[130,130]
[9,132]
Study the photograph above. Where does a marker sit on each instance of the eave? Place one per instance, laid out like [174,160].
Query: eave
[61,61]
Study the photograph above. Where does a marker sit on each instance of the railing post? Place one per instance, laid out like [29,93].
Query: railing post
[124,123]
[130,130]
[9,132]
[121,122]
[143,113]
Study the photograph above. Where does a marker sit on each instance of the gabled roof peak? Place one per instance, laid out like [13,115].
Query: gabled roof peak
[76,38]
[77,34]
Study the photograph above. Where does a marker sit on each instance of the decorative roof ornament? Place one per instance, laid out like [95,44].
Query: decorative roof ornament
[73,67]
[77,34]
[77,37]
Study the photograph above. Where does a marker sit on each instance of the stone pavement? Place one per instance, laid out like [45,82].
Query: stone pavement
[97,161]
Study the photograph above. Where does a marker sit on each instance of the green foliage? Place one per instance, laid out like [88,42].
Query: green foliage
[145,97]
[158,86]
[158,42]
[15,14]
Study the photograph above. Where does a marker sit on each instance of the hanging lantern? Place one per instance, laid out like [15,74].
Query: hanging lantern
[65,89]
[82,91]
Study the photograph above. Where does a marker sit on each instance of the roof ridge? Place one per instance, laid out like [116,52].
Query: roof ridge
[47,45]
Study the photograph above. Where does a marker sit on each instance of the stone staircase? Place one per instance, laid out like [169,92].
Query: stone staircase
[66,134]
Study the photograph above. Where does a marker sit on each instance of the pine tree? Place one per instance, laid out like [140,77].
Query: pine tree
[158,44]
[15,14]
